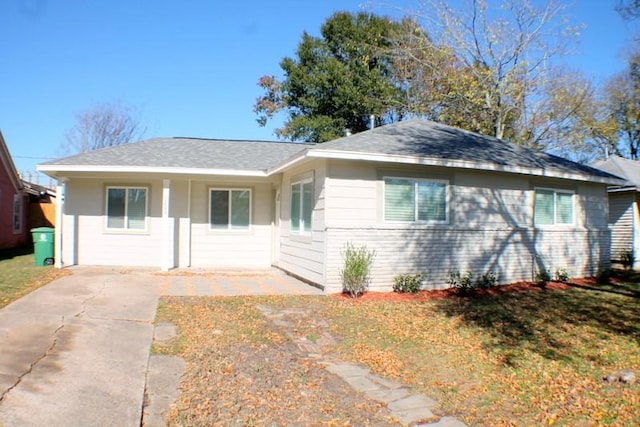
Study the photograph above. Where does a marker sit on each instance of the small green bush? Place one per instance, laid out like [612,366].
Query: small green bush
[487,280]
[542,278]
[627,258]
[407,283]
[561,275]
[357,266]
[462,282]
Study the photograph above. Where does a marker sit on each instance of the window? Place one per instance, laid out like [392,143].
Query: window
[553,207]
[301,206]
[126,208]
[17,213]
[411,200]
[229,209]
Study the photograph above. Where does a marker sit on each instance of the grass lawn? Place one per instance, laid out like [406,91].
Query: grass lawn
[19,275]
[523,358]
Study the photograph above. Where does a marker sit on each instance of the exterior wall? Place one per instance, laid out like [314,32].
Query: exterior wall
[85,238]
[621,221]
[304,255]
[232,248]
[9,238]
[490,227]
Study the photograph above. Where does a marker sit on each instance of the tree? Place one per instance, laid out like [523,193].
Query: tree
[335,82]
[628,9]
[623,93]
[103,125]
[501,58]
[580,122]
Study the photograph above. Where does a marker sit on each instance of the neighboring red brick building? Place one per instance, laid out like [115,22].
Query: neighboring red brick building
[14,202]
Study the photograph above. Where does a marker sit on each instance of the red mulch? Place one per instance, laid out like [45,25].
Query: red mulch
[453,293]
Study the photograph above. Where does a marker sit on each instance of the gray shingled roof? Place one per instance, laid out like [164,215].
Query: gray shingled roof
[416,138]
[189,153]
[427,139]
[624,168]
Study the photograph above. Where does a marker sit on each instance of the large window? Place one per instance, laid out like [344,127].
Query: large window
[126,208]
[301,205]
[229,209]
[553,207]
[17,213]
[412,200]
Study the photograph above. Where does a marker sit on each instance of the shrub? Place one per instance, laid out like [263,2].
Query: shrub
[487,280]
[407,283]
[561,275]
[603,276]
[542,278]
[627,258]
[463,283]
[357,266]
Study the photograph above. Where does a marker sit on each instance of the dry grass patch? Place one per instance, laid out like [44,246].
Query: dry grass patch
[522,358]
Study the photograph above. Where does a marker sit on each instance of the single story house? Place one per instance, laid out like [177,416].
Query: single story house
[426,197]
[14,231]
[624,217]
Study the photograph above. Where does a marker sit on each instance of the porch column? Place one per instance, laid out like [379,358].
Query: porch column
[167,228]
[57,239]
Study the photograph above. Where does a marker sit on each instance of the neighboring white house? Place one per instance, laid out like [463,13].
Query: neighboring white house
[624,218]
[426,197]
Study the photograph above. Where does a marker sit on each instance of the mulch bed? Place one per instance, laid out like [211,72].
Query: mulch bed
[439,294]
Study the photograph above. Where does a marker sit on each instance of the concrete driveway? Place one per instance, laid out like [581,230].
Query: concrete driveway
[76,351]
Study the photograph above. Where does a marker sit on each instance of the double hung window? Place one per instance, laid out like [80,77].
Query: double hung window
[553,207]
[127,208]
[301,205]
[229,209]
[415,200]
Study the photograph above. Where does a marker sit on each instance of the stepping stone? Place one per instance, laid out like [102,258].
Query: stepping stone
[445,422]
[388,396]
[412,402]
[385,383]
[410,416]
[164,331]
[345,370]
[361,384]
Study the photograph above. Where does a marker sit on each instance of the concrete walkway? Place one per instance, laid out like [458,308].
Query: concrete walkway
[76,351]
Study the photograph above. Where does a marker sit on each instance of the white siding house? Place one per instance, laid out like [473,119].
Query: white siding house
[624,218]
[426,197]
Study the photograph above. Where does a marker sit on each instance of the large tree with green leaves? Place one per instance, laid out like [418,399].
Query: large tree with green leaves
[336,81]
[623,92]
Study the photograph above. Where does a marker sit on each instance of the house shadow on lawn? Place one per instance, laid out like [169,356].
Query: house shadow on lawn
[557,324]
[15,252]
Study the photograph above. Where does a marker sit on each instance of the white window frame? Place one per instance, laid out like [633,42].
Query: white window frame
[18,206]
[302,224]
[415,202]
[555,206]
[229,229]
[125,228]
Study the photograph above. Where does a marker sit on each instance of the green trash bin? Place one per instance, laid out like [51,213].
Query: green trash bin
[43,245]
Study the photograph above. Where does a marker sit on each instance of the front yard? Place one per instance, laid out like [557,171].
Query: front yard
[522,358]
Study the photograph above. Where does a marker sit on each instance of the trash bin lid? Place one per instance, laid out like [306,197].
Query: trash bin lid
[43,230]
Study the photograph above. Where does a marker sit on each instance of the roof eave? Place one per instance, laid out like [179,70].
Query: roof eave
[462,164]
[58,171]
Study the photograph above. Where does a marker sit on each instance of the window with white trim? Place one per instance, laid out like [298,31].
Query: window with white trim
[127,208]
[416,200]
[553,207]
[301,205]
[17,213]
[229,209]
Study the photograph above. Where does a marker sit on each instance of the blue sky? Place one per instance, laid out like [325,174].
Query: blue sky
[190,66]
